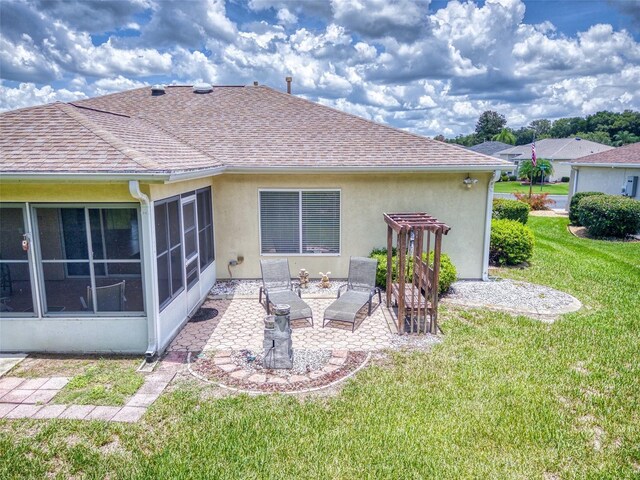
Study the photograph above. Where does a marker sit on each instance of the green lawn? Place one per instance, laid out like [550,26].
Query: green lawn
[501,397]
[103,384]
[511,187]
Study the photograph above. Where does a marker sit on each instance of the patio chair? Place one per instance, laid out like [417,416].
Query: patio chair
[278,289]
[360,290]
[110,298]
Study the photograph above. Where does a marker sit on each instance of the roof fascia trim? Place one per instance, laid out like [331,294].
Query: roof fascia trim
[609,165]
[365,170]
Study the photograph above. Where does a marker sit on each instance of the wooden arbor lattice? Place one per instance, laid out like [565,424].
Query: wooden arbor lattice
[415,291]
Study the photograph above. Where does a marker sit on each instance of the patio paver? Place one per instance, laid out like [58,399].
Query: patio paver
[77,412]
[50,411]
[6,408]
[241,326]
[23,411]
[102,413]
[129,414]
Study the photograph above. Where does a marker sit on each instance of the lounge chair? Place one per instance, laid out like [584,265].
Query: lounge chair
[360,290]
[278,289]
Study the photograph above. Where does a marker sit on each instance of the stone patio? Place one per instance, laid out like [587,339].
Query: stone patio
[239,325]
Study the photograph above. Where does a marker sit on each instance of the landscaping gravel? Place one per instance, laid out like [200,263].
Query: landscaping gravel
[252,287]
[304,361]
[526,298]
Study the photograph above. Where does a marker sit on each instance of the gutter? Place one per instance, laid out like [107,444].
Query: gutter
[369,169]
[166,177]
[609,165]
[487,226]
[148,256]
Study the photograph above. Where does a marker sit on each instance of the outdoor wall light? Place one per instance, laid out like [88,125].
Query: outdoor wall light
[469,182]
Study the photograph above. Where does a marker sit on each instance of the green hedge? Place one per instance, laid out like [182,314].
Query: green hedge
[511,242]
[511,210]
[609,215]
[574,208]
[448,272]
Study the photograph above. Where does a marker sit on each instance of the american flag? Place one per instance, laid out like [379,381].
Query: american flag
[533,153]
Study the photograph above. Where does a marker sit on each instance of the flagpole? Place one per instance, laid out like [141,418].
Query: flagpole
[533,163]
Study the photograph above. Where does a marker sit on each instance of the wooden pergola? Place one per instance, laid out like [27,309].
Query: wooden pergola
[415,291]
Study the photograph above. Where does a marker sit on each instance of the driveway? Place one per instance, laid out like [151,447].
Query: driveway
[561,200]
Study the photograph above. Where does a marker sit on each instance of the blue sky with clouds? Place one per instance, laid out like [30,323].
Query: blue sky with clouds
[427,66]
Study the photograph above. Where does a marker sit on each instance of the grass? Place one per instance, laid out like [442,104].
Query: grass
[552,189]
[500,397]
[103,383]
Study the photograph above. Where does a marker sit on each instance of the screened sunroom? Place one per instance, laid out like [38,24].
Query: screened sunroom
[86,277]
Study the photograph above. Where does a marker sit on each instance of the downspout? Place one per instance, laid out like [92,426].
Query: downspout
[153,315]
[487,226]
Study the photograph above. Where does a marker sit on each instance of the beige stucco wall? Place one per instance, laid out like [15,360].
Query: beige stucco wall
[65,192]
[604,179]
[364,198]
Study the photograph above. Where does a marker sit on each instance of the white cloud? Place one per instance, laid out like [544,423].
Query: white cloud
[428,71]
[27,94]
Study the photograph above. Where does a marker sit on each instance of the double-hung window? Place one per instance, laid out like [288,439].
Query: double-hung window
[300,222]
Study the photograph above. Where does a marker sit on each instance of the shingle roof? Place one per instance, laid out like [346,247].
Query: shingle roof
[234,127]
[557,149]
[627,155]
[489,148]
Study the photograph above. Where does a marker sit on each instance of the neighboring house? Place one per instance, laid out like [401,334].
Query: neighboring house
[615,172]
[131,205]
[492,148]
[560,151]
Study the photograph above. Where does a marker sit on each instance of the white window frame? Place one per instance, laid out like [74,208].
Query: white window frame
[42,300]
[300,191]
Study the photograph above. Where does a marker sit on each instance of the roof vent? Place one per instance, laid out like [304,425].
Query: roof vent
[157,89]
[578,138]
[202,88]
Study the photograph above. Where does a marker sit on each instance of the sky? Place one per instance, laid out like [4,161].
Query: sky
[430,67]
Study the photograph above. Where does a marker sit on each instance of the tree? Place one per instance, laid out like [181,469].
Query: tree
[505,136]
[623,138]
[527,169]
[541,127]
[523,135]
[489,123]
[600,137]
[440,138]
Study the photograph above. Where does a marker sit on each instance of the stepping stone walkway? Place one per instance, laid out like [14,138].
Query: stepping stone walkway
[30,397]
[225,370]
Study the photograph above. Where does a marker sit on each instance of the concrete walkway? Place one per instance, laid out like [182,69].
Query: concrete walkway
[31,398]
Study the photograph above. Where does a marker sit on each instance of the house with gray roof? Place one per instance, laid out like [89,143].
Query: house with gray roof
[492,148]
[118,213]
[560,151]
[615,171]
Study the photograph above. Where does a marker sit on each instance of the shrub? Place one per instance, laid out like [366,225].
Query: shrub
[513,178]
[504,178]
[564,179]
[510,209]
[537,201]
[448,272]
[610,215]
[574,208]
[511,242]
